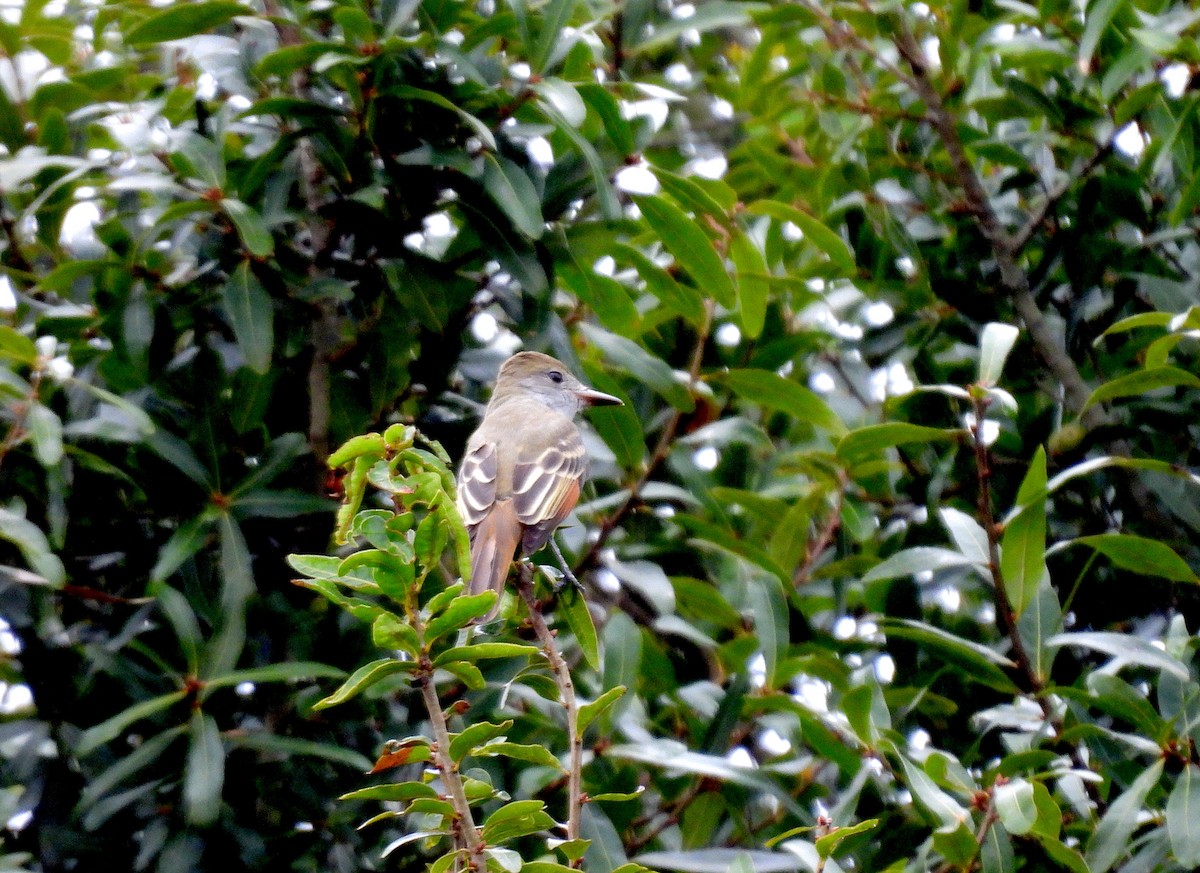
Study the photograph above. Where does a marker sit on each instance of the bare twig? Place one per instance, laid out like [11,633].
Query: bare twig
[816,547]
[566,689]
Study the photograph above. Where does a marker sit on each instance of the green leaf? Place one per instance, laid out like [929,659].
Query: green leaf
[919,559]
[829,843]
[484,651]
[356,447]
[1049,817]
[204,772]
[1099,14]
[363,678]
[255,234]
[1016,806]
[252,317]
[825,240]
[1110,840]
[1183,817]
[532,754]
[773,391]
[979,663]
[572,606]
[516,819]
[144,755]
[1124,647]
[622,655]
[111,728]
[865,442]
[681,299]
[995,343]
[691,247]
[753,283]
[285,671]
[188,539]
[277,745]
[768,603]
[1141,382]
[1142,319]
[183,621]
[1023,545]
[398,792]
[33,545]
[605,295]
[947,811]
[653,371]
[45,430]
[1065,857]
[476,734]
[511,189]
[16,346]
[183,20]
[691,196]
[1141,555]
[589,711]
[461,612]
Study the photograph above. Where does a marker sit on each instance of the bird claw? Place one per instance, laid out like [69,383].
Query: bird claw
[568,578]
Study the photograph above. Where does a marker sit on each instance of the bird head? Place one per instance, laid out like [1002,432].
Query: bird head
[547,380]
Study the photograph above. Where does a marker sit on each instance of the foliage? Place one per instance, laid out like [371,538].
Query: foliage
[893,545]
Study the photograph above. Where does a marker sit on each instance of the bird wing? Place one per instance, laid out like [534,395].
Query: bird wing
[545,485]
[477,483]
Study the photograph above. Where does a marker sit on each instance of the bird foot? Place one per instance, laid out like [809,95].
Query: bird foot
[568,578]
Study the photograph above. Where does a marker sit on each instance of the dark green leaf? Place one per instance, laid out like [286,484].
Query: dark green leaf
[1023,546]
[691,247]
[252,317]
[363,678]
[204,773]
[183,20]
[1141,555]
[775,392]
[1110,840]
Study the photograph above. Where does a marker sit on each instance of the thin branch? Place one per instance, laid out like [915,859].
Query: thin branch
[662,449]
[1013,279]
[824,537]
[566,689]
[1004,607]
[466,835]
[1020,239]
[21,412]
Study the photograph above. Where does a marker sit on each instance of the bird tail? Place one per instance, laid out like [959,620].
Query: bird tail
[493,543]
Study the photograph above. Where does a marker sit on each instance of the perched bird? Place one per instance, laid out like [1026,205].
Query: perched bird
[523,466]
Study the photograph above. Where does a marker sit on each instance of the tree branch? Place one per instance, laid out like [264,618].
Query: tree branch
[566,690]
[1013,279]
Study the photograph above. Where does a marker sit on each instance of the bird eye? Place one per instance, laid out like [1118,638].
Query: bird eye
[556,377]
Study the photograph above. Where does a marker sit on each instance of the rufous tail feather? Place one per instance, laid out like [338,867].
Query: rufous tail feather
[492,547]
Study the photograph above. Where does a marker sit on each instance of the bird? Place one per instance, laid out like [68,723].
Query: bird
[522,469]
